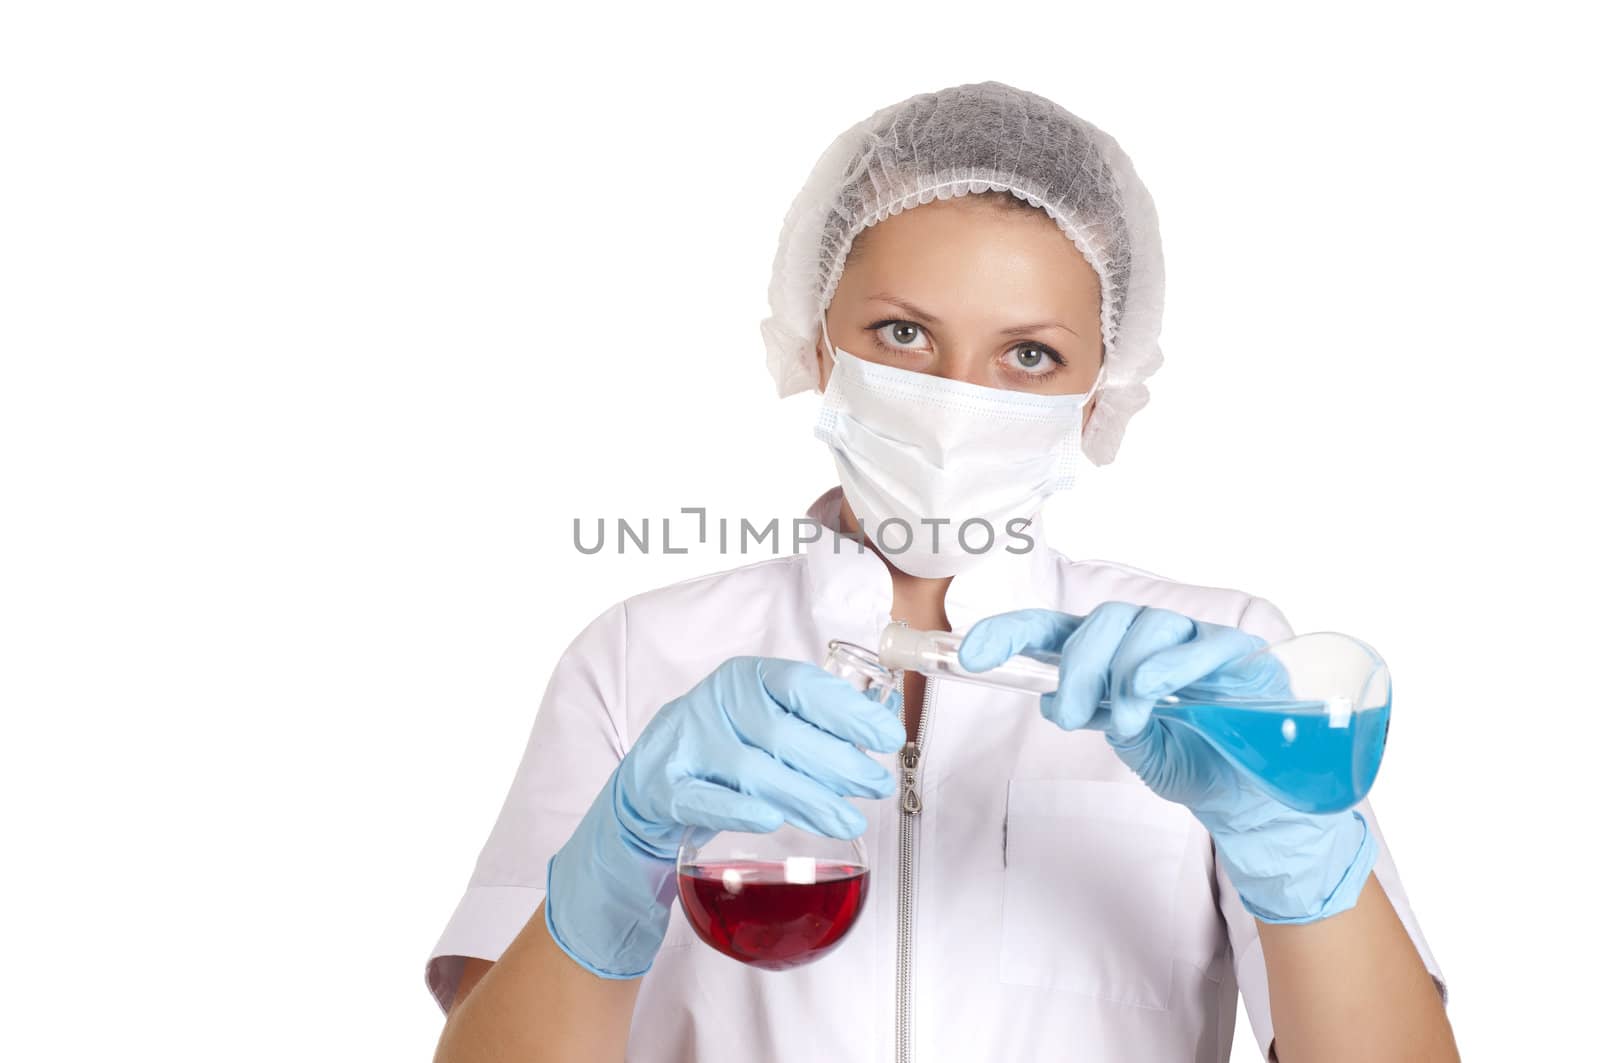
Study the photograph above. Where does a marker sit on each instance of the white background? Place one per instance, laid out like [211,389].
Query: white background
[321,323]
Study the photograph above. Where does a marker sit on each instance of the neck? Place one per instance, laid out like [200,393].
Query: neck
[918,601]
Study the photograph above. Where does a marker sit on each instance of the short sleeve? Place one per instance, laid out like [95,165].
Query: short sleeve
[575,744]
[1261,617]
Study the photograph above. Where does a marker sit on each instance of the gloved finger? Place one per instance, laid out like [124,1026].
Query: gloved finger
[1152,632]
[803,801]
[702,803]
[1086,661]
[1075,702]
[996,638]
[1257,674]
[831,703]
[833,762]
[1052,712]
[1214,647]
[1146,754]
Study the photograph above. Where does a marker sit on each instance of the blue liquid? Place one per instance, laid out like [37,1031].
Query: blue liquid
[1292,749]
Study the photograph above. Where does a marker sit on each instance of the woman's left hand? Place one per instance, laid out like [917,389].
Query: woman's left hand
[1288,866]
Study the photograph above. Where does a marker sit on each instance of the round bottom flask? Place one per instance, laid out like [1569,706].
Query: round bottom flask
[781,899]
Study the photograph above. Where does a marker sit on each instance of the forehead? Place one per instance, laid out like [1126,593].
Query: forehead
[964,247]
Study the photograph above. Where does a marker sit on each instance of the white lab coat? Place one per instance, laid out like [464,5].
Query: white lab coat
[1061,911]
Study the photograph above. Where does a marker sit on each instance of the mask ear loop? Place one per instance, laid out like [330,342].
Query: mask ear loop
[1099,378]
[833,352]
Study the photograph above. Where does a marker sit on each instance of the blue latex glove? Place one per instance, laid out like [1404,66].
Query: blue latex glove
[758,742]
[1288,866]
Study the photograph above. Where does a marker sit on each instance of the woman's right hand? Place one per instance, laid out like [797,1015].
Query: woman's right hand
[758,742]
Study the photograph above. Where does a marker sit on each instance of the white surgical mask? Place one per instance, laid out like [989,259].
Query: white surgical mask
[950,465]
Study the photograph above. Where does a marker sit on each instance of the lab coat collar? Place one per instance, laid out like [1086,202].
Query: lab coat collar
[852,589]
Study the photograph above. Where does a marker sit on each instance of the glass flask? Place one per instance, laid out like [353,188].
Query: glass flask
[1306,718]
[781,899]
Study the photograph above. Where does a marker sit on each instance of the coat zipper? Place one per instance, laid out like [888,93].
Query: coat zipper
[911,758]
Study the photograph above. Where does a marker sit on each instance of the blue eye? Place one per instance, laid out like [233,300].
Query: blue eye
[893,334]
[1034,359]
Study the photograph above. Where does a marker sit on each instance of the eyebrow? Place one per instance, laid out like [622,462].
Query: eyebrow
[921,314]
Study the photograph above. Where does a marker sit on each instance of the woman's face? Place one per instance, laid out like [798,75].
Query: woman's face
[962,289]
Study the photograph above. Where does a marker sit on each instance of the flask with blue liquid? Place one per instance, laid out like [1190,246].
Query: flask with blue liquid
[1311,731]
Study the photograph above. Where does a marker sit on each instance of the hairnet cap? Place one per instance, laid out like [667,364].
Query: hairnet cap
[970,138]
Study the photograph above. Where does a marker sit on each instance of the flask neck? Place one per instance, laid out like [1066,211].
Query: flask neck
[935,653]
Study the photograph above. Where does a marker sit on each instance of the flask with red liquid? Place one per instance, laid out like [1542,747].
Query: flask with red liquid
[774,900]
[785,898]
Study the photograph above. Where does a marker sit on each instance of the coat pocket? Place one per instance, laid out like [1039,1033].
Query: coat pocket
[1091,881]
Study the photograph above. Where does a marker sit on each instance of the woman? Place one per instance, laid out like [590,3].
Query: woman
[991,266]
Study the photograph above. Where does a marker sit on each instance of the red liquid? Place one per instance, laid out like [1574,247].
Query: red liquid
[745,909]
